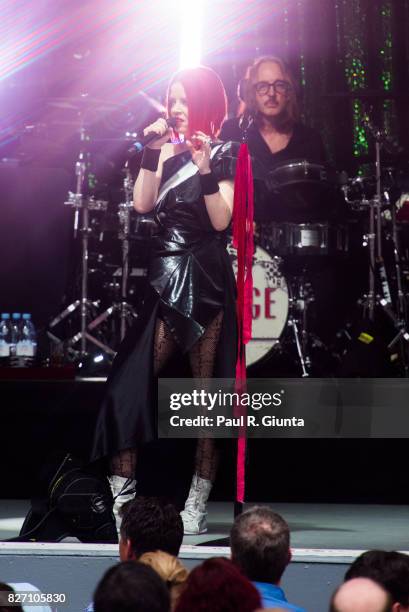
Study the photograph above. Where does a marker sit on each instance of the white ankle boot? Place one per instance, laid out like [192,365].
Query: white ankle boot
[194,514]
[123,490]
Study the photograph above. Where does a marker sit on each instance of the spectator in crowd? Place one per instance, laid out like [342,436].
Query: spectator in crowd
[131,587]
[260,547]
[360,595]
[148,525]
[390,569]
[5,604]
[170,569]
[218,586]
[27,587]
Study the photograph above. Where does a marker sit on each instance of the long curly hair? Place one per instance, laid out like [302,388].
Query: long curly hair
[291,113]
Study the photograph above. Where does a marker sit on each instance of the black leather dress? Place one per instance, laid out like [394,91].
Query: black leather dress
[190,281]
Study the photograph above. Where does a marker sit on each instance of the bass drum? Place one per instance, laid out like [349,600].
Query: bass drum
[270,303]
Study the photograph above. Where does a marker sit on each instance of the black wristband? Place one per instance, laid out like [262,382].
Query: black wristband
[150,159]
[209,183]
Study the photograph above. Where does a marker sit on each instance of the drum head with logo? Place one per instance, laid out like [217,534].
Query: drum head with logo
[270,303]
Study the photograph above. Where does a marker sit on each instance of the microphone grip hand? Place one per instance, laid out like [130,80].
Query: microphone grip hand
[162,130]
[154,136]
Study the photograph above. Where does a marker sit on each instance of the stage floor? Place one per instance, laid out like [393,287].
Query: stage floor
[313,526]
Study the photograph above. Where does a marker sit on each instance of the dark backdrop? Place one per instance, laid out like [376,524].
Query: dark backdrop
[349,56]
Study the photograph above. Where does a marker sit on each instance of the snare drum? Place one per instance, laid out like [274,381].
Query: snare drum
[270,303]
[304,238]
[298,172]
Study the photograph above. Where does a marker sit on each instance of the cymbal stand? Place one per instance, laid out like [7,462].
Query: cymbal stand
[398,316]
[400,319]
[376,261]
[126,311]
[81,203]
[402,309]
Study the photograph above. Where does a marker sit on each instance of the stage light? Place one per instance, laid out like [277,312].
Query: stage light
[98,358]
[191,19]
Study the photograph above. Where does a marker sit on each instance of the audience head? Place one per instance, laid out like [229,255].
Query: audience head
[170,569]
[389,569]
[148,524]
[5,606]
[218,586]
[361,595]
[260,544]
[131,587]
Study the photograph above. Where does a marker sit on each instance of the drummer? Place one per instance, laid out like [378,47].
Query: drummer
[269,95]
[276,135]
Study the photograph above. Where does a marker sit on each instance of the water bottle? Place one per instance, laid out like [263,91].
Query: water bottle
[14,337]
[27,343]
[5,336]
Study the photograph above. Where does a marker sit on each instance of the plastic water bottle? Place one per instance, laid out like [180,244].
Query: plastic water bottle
[14,336]
[27,343]
[5,336]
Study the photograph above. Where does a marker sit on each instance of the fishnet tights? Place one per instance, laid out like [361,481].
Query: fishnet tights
[202,356]
[201,359]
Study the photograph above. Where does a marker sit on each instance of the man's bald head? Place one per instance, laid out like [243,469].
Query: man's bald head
[361,595]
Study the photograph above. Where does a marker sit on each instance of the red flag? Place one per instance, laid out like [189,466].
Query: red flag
[243,213]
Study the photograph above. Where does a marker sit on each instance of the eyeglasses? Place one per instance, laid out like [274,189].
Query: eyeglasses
[280,87]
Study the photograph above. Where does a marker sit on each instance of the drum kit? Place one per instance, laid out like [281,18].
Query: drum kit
[324,217]
[356,223]
[102,311]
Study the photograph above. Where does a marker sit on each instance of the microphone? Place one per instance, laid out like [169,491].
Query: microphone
[146,139]
[246,120]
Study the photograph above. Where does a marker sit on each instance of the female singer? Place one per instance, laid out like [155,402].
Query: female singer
[186,177]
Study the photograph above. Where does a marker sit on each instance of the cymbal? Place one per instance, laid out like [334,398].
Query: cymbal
[84,103]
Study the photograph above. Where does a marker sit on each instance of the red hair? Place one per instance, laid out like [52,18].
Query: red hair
[217,585]
[206,99]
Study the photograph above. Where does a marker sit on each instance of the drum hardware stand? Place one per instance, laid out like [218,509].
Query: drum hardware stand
[126,311]
[375,231]
[78,202]
[377,266]
[299,302]
[376,261]
[400,319]
[402,309]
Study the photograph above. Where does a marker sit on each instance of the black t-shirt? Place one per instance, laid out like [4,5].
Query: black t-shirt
[301,203]
[305,143]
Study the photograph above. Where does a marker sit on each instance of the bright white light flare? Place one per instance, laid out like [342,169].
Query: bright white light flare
[191,21]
